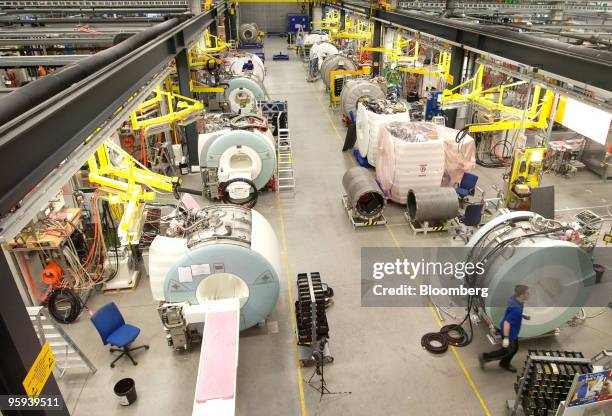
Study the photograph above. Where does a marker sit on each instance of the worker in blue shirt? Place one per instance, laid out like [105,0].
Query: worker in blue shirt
[248,66]
[510,327]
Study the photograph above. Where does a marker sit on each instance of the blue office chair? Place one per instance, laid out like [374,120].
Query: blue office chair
[467,186]
[472,215]
[114,331]
[470,220]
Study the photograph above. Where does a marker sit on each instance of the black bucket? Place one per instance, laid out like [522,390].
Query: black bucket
[125,389]
[599,272]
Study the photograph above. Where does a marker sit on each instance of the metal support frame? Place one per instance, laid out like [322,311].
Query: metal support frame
[20,345]
[70,117]
[191,132]
[550,56]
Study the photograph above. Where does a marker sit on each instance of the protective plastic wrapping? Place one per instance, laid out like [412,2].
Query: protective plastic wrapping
[419,154]
[362,130]
[321,51]
[312,38]
[458,157]
[409,157]
[375,122]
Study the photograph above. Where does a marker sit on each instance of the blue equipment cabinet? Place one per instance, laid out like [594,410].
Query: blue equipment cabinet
[295,20]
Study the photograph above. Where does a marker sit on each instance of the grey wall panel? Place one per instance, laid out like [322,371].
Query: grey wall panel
[270,17]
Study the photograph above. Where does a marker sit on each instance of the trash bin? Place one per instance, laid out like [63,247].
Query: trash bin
[599,272]
[125,389]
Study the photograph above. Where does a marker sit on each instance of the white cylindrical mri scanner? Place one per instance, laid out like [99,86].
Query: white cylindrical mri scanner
[524,248]
[242,94]
[231,252]
[354,91]
[230,154]
[237,62]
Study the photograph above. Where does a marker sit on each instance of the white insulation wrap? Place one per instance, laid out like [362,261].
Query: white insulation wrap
[321,51]
[375,122]
[236,63]
[362,130]
[335,63]
[409,162]
[355,91]
[312,38]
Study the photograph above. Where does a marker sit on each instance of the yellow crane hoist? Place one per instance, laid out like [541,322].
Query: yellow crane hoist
[508,118]
[183,111]
[127,182]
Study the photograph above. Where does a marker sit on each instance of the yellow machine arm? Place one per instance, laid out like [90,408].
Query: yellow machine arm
[185,109]
[125,181]
[440,69]
[535,116]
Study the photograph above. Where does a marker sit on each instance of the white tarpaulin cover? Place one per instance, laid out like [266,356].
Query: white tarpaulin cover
[375,122]
[419,154]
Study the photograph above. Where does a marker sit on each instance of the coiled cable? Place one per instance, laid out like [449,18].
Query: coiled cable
[248,202]
[64,305]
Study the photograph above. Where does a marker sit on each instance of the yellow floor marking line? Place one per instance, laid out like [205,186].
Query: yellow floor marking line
[281,217]
[399,247]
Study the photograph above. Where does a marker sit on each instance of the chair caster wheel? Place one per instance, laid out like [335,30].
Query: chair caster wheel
[146,347]
[135,363]
[112,365]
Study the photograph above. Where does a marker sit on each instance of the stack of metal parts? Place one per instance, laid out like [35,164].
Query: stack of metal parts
[215,122]
[546,379]
[416,110]
[312,326]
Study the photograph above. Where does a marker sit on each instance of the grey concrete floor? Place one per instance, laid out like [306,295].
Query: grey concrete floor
[378,356]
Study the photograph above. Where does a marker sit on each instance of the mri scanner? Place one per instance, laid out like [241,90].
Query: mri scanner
[235,64]
[236,163]
[220,266]
[524,248]
[242,94]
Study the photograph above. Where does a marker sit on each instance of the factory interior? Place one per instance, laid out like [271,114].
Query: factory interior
[286,207]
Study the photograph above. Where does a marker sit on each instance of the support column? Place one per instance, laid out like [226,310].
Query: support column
[191,133]
[233,22]
[376,42]
[20,345]
[456,70]
[227,24]
[195,6]
[342,19]
[213,29]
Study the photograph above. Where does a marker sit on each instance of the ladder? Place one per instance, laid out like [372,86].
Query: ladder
[285,180]
[67,354]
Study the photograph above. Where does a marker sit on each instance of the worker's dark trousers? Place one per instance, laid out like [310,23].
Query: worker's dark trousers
[504,355]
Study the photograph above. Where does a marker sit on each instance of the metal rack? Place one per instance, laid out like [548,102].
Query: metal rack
[515,406]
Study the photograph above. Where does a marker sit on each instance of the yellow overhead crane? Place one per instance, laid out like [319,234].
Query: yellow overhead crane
[183,111]
[127,182]
[510,118]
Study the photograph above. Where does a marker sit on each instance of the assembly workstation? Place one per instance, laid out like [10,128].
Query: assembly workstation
[306,208]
